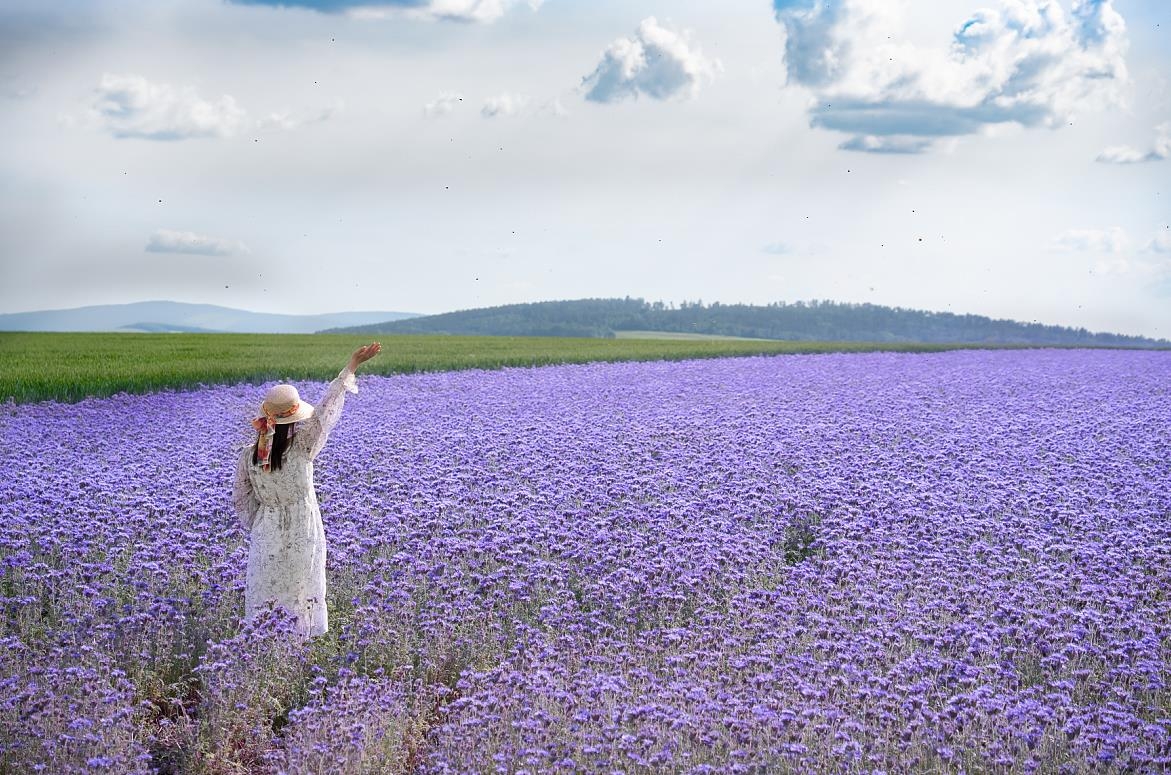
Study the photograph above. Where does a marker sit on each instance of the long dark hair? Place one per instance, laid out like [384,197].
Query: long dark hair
[280,441]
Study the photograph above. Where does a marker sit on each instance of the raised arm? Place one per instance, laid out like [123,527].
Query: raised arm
[327,411]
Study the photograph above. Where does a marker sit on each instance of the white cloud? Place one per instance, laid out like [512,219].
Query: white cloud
[132,106]
[1112,240]
[1028,62]
[554,108]
[285,120]
[504,105]
[887,144]
[429,10]
[1160,244]
[1124,154]
[166,241]
[1113,255]
[508,105]
[656,62]
[777,249]
[465,10]
[443,105]
[1116,265]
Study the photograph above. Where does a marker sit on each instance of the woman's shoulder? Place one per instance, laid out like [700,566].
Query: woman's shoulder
[243,449]
[301,439]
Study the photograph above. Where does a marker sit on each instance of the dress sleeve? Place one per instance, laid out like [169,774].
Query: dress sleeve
[244,498]
[327,411]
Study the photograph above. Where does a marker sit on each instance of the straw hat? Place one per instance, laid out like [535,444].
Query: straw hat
[283,404]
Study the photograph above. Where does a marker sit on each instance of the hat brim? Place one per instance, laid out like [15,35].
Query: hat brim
[304,412]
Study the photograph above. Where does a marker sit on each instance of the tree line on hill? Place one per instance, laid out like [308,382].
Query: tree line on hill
[801,321]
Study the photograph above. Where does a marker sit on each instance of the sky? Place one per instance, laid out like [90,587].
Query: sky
[1004,158]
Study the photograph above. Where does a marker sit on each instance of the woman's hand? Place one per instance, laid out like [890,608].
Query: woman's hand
[363,354]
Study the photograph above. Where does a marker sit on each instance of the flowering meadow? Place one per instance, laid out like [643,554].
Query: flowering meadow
[880,562]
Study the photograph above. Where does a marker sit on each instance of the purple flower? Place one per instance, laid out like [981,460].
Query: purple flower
[840,562]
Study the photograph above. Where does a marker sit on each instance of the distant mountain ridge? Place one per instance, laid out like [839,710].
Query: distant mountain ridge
[800,321]
[174,316]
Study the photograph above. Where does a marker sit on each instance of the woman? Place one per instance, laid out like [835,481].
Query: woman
[275,501]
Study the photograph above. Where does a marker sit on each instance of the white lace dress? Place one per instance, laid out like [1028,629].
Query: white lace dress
[286,551]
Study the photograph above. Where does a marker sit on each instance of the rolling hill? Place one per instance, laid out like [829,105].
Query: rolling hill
[800,321]
[173,316]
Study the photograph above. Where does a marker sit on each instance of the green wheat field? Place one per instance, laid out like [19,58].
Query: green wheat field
[70,367]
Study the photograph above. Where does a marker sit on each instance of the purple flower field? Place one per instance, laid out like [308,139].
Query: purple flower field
[850,563]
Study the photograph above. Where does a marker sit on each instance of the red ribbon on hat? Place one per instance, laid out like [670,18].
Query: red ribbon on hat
[266,426]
